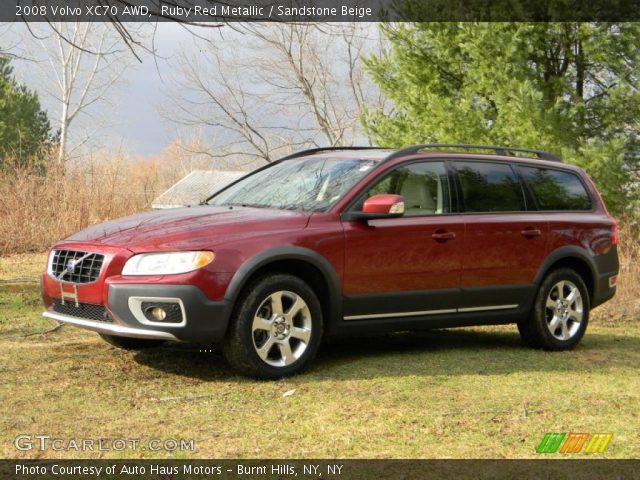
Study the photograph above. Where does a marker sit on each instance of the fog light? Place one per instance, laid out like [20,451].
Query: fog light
[158,313]
[169,313]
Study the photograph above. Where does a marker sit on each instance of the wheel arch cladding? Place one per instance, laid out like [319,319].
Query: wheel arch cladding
[304,263]
[573,258]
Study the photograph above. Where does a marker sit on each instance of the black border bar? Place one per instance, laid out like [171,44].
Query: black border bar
[557,469]
[223,11]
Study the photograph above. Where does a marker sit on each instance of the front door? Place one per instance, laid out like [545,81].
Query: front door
[408,266]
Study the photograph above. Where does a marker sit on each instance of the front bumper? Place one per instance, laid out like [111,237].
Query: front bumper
[110,329]
[203,320]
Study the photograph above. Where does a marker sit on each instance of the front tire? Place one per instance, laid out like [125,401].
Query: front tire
[127,343]
[275,329]
[560,312]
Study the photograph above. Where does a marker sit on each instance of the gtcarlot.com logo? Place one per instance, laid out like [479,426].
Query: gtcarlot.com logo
[26,442]
[574,443]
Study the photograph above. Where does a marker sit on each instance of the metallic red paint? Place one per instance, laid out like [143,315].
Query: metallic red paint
[378,256]
[381,203]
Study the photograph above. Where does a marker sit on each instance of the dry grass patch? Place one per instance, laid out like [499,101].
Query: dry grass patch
[39,208]
[22,266]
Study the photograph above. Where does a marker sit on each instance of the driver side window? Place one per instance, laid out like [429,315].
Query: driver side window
[424,187]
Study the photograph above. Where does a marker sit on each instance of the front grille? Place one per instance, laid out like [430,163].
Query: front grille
[76,266]
[87,311]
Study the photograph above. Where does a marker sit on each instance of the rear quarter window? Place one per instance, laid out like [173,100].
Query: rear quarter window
[556,189]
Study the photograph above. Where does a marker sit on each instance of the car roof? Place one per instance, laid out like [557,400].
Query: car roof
[365,154]
[480,157]
[458,151]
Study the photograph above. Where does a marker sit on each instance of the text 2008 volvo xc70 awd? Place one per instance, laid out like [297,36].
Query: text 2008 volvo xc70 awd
[334,241]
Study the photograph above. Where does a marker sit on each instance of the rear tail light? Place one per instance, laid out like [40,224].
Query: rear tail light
[615,235]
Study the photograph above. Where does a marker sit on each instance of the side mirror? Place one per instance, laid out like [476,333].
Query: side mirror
[379,206]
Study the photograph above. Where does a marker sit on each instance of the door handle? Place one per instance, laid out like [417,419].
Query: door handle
[443,235]
[531,232]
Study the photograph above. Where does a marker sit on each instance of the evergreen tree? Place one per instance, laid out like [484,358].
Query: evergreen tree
[24,126]
[570,88]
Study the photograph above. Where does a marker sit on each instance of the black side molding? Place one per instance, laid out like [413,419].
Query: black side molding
[252,265]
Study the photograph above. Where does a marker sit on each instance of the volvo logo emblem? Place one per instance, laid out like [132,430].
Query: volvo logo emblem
[71,264]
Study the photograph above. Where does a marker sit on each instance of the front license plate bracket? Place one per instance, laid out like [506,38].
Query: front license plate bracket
[69,295]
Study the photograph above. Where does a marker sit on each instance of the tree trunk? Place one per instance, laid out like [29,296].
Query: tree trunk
[62,146]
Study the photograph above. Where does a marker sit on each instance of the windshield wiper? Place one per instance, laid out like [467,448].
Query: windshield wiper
[245,205]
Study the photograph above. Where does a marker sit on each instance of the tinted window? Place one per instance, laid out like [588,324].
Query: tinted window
[489,187]
[424,187]
[556,190]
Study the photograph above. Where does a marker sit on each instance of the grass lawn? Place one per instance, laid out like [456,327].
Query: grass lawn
[445,394]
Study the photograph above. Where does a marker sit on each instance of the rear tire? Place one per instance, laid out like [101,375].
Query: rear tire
[275,329]
[560,312]
[127,343]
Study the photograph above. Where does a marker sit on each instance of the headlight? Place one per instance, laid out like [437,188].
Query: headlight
[166,263]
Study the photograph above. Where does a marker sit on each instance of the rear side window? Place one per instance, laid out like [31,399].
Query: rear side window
[556,190]
[489,187]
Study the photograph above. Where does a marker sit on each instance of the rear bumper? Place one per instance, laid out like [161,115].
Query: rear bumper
[606,268]
[203,320]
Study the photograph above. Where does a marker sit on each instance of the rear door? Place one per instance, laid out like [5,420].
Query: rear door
[504,243]
[408,266]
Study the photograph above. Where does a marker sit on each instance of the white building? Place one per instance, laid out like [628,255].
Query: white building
[196,187]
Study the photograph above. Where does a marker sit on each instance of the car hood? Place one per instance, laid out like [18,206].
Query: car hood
[190,228]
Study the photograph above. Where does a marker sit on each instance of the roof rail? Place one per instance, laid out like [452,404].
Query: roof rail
[311,151]
[507,151]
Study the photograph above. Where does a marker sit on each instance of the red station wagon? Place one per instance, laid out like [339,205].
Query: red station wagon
[337,241]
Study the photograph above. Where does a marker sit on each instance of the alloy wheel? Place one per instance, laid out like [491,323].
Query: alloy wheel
[281,328]
[564,310]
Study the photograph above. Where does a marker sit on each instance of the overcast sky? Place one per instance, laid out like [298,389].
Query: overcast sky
[133,117]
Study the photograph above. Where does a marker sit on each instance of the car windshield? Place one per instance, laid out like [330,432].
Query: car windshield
[310,185]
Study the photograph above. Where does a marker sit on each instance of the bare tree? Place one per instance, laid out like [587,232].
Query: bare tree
[10,43]
[293,85]
[113,14]
[83,61]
